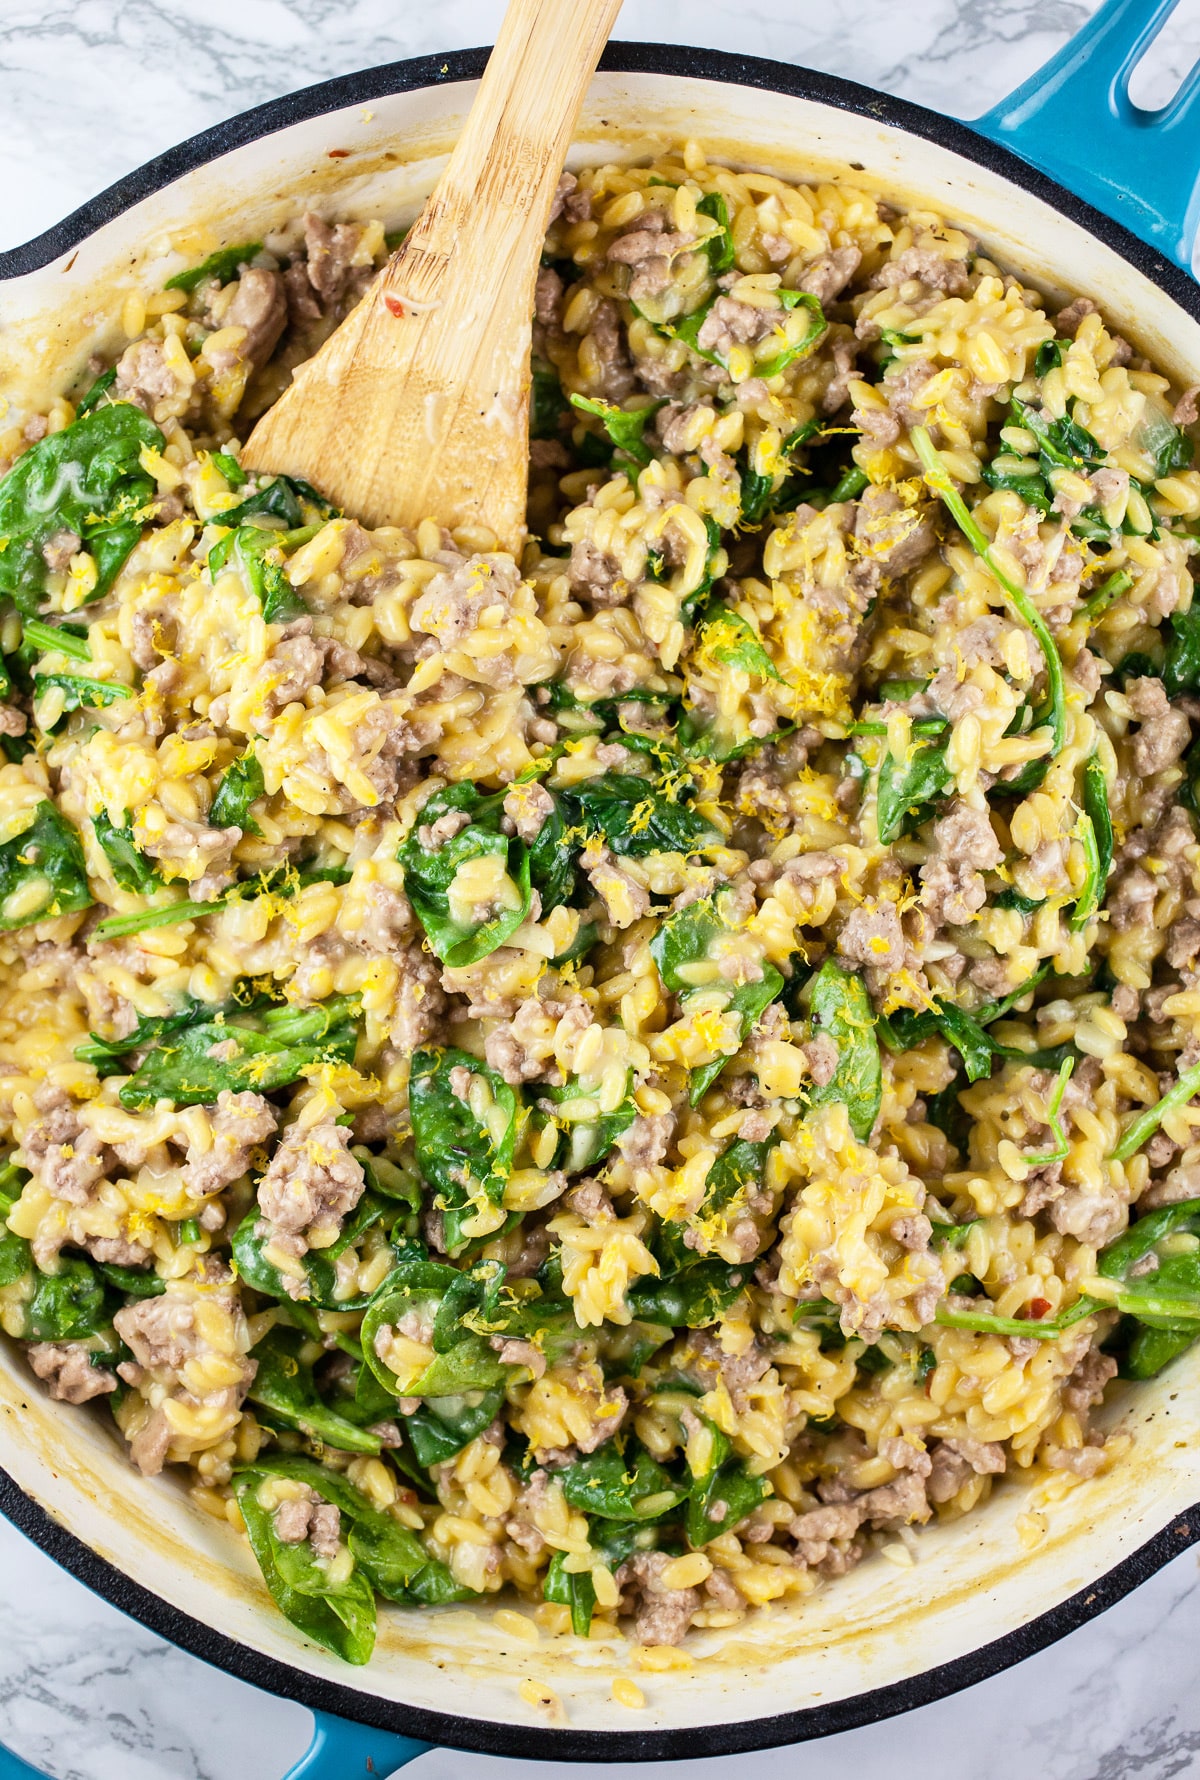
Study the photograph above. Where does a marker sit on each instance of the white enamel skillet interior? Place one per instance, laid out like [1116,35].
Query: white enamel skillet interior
[882,1639]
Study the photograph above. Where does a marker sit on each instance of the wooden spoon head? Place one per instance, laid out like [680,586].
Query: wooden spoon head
[412,409]
[417,407]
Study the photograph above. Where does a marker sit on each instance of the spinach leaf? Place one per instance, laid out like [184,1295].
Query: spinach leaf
[907,796]
[734,642]
[42,871]
[612,1542]
[184,1070]
[1181,667]
[257,555]
[1049,357]
[105,1054]
[79,693]
[718,247]
[841,1008]
[100,387]
[68,1305]
[1098,843]
[620,1485]
[320,1265]
[722,1501]
[817,328]
[1021,475]
[586,1134]
[945,1112]
[139,1282]
[1165,1294]
[284,1387]
[626,427]
[238,788]
[547,404]
[38,638]
[1053,712]
[732,1171]
[687,938]
[1109,591]
[459,1310]
[293,502]
[222,266]
[230,468]
[1170,448]
[696,601]
[985,1322]
[390,1556]
[446,1424]
[465,936]
[130,866]
[691,1298]
[464,1147]
[86,479]
[338,1615]
[1152,1348]
[634,817]
[1147,1122]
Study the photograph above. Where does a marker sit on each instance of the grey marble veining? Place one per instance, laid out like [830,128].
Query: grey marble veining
[88,90]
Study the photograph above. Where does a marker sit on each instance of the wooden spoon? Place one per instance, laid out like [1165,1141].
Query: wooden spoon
[417,407]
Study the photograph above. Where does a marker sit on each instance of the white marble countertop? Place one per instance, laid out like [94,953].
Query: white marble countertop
[88,90]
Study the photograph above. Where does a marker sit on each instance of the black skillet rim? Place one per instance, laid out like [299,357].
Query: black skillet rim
[524,1740]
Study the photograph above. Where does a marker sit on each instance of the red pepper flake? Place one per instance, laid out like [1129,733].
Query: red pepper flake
[394,305]
[338,154]
[1035,1310]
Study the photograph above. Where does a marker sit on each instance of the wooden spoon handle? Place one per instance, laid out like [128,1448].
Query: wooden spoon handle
[505,164]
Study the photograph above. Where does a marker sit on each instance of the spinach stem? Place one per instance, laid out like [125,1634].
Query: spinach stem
[46,637]
[938,478]
[1147,1123]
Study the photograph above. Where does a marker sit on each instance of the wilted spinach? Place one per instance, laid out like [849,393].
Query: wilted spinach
[429,872]
[289,1041]
[622,1485]
[690,1298]
[222,267]
[86,479]
[626,427]
[239,786]
[446,1424]
[688,937]
[338,1614]
[257,553]
[42,871]
[634,816]
[718,247]
[841,1009]
[464,1146]
[1097,840]
[284,1387]
[908,795]
[80,693]
[131,868]
[732,1171]
[320,1264]
[586,1134]
[1052,713]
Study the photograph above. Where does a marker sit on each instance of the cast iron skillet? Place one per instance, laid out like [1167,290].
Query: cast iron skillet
[1133,184]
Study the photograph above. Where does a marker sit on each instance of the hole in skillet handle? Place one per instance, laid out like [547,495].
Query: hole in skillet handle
[340,1750]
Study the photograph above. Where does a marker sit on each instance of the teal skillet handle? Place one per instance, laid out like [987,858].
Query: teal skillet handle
[13,1768]
[339,1750]
[1074,120]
